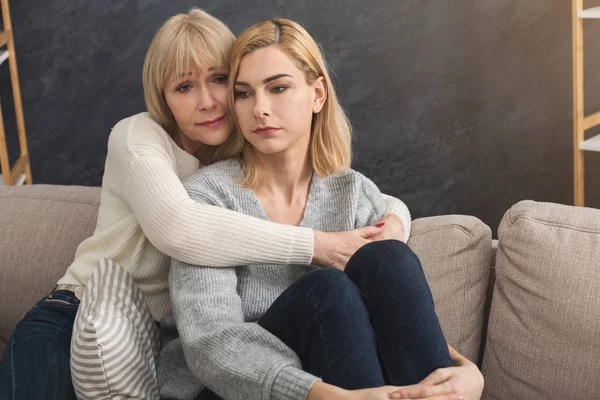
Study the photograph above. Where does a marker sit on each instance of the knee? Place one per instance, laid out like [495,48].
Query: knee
[329,288]
[388,249]
[382,257]
[324,281]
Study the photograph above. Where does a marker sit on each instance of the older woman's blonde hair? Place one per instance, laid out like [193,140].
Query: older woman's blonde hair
[331,137]
[184,43]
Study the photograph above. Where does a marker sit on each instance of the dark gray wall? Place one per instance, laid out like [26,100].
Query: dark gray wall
[459,106]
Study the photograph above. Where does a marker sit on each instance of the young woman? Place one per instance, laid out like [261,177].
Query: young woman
[146,216]
[267,332]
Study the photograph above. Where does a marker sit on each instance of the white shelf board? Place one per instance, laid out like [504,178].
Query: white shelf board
[3,55]
[592,144]
[20,181]
[590,13]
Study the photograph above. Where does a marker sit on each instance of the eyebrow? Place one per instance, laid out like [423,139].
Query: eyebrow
[266,80]
[190,73]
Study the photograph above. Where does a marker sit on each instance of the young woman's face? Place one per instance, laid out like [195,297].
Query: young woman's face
[198,102]
[273,103]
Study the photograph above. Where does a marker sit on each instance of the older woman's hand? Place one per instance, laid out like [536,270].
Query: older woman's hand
[392,228]
[463,381]
[334,249]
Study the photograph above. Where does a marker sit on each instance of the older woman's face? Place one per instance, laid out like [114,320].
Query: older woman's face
[198,101]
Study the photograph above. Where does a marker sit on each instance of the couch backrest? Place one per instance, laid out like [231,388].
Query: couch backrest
[543,339]
[40,229]
[42,225]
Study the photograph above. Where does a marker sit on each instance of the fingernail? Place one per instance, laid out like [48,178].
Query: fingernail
[380,225]
[459,398]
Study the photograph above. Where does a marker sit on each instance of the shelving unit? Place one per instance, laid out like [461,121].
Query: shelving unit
[20,172]
[589,13]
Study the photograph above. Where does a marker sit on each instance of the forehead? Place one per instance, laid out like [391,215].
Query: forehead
[192,72]
[267,62]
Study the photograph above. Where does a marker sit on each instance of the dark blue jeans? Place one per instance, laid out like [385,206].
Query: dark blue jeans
[372,325]
[35,363]
[369,326]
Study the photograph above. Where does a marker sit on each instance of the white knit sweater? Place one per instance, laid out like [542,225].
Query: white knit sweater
[146,217]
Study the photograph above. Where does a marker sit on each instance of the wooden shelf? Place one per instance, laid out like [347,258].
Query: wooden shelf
[4,37]
[12,175]
[581,122]
[592,13]
[592,144]
[591,121]
[19,181]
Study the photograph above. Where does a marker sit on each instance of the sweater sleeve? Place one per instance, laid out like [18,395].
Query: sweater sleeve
[397,207]
[370,206]
[235,359]
[202,234]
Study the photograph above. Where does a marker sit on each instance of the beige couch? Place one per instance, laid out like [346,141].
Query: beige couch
[543,334]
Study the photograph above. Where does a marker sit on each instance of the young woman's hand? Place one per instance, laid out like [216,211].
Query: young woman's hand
[463,381]
[324,391]
[392,228]
[379,393]
[334,249]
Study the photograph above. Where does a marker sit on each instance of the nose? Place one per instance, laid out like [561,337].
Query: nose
[206,100]
[261,106]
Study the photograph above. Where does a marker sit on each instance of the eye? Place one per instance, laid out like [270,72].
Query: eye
[241,95]
[279,89]
[185,87]
[220,79]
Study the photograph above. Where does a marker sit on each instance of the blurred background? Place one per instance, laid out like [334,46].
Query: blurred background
[460,106]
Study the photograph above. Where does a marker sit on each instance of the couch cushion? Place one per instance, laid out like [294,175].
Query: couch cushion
[41,227]
[544,331]
[456,253]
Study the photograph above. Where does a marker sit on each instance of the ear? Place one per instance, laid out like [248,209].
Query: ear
[320,94]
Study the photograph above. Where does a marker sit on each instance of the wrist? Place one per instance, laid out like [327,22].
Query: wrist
[319,247]
[324,391]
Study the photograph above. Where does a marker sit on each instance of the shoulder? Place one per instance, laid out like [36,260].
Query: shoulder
[218,178]
[352,182]
[138,135]
[363,190]
[226,172]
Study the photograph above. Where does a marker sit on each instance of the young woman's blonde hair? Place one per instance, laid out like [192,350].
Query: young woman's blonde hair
[184,43]
[330,148]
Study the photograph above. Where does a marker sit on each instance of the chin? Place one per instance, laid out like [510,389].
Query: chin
[269,149]
[215,139]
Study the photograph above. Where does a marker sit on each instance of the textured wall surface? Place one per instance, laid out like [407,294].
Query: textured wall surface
[461,106]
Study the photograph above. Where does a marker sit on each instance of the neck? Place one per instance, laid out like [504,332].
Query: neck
[287,173]
[202,152]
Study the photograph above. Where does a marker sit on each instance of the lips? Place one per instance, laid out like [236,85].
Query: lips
[265,130]
[213,123]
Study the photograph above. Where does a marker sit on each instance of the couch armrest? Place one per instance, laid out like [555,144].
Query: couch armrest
[42,225]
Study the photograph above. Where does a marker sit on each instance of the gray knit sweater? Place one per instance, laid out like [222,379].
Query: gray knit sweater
[216,309]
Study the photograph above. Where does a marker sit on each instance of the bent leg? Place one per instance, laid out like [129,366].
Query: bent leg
[323,318]
[393,285]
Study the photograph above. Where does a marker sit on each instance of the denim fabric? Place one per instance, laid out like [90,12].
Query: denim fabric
[371,325]
[35,363]
[410,341]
